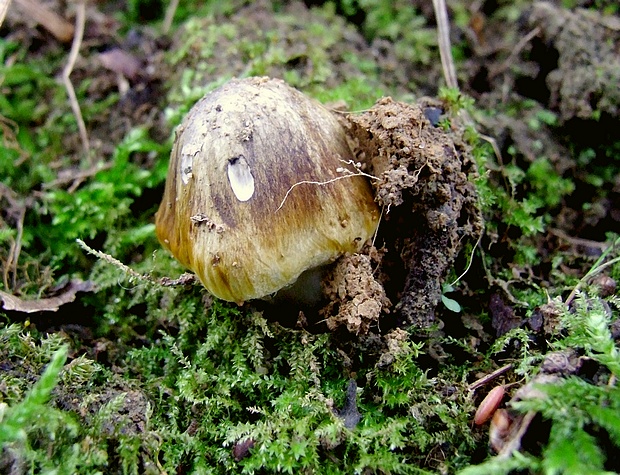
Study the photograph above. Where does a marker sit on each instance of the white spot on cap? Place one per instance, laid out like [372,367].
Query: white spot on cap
[240,178]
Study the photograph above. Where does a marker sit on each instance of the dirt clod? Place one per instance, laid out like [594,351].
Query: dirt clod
[429,203]
[588,66]
[356,298]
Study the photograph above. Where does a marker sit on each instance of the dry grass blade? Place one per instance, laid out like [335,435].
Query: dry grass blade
[170,11]
[80,21]
[447,63]
[443,33]
[15,209]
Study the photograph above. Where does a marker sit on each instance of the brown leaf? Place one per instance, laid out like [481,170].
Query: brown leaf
[52,304]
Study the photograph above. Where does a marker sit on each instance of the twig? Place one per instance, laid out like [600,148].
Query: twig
[9,130]
[75,177]
[489,377]
[447,63]
[115,262]
[510,60]
[183,280]
[587,243]
[80,21]
[16,249]
[17,211]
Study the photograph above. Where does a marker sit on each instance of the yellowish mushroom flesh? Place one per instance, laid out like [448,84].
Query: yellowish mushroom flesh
[256,192]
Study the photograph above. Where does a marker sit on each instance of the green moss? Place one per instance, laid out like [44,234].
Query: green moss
[310,50]
[583,416]
[206,378]
[247,379]
[401,23]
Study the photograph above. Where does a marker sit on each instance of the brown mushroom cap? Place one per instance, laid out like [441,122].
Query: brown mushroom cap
[237,209]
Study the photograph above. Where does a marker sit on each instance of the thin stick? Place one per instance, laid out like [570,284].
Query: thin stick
[16,248]
[578,241]
[17,209]
[80,21]
[183,280]
[510,60]
[489,377]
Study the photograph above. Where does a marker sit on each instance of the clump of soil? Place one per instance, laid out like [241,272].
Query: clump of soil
[423,183]
[128,413]
[430,205]
[585,44]
[356,298]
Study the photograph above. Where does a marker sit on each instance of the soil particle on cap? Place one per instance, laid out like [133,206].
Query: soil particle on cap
[429,203]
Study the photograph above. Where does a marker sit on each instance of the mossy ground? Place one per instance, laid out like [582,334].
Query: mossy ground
[139,377]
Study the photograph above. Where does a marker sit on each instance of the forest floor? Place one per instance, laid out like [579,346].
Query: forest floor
[493,271]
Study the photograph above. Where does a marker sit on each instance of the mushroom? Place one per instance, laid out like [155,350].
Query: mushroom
[261,188]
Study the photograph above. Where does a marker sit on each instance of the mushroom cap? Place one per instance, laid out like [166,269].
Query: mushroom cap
[239,209]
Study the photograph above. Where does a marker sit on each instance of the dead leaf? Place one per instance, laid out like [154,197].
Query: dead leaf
[51,304]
